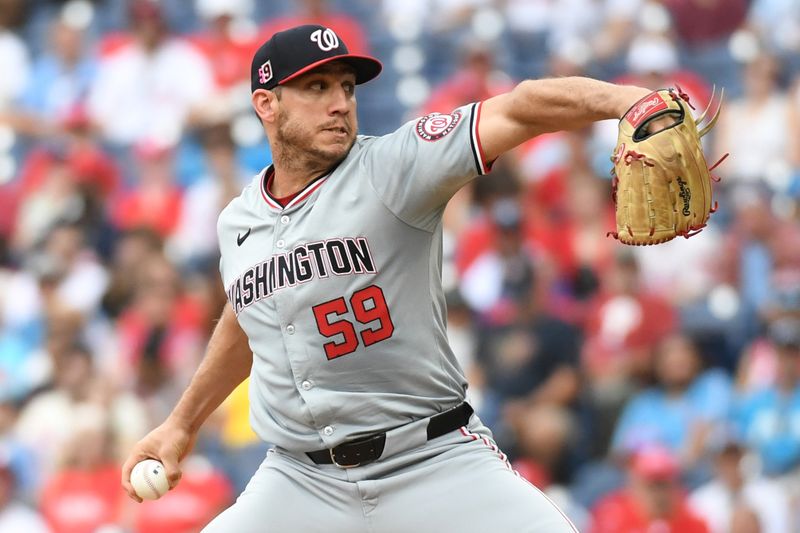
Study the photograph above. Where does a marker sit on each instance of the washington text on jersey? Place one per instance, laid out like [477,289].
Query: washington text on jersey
[348,255]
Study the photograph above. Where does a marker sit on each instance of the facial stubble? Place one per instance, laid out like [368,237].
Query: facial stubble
[295,147]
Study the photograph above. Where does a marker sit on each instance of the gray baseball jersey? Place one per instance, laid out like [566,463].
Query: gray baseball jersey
[339,292]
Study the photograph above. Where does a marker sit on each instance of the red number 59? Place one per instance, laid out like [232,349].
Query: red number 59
[368,305]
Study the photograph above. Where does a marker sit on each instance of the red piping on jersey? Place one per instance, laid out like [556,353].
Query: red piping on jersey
[489,444]
[283,201]
[264,194]
[313,188]
[293,199]
[485,168]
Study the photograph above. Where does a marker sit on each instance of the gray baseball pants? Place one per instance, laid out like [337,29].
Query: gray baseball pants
[459,482]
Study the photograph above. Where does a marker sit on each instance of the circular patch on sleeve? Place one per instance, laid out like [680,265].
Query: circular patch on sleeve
[435,126]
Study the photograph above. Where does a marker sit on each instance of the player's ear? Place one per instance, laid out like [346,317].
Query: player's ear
[265,104]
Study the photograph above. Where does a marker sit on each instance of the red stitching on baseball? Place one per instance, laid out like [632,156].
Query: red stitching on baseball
[150,483]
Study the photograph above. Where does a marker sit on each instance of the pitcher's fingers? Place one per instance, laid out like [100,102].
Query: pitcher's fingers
[173,472]
[127,468]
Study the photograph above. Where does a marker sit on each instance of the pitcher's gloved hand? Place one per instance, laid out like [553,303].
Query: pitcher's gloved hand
[662,185]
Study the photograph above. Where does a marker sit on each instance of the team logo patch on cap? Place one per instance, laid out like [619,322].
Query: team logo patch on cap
[326,40]
[265,72]
[435,126]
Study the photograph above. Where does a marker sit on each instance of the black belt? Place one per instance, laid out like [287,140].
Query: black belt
[368,449]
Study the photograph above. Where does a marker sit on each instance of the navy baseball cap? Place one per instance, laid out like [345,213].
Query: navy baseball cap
[293,52]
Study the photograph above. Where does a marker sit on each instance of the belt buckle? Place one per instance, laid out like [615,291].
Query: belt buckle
[333,460]
[374,444]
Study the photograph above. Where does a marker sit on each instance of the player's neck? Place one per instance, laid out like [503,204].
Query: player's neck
[292,174]
[285,182]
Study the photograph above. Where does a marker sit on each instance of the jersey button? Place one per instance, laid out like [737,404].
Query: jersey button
[281,243]
[306,385]
[290,329]
[284,220]
[328,430]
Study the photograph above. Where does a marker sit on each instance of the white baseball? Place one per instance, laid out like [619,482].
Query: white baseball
[149,479]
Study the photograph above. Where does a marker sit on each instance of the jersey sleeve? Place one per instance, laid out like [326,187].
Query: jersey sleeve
[419,167]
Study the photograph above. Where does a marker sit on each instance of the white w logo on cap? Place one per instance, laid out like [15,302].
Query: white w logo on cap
[326,40]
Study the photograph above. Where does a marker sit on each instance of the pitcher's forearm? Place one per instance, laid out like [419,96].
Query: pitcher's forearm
[541,106]
[226,364]
[571,103]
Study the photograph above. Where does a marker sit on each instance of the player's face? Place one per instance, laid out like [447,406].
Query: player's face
[318,113]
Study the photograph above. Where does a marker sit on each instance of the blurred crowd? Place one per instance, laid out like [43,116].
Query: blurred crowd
[644,389]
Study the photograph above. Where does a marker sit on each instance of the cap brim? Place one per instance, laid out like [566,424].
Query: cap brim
[366,67]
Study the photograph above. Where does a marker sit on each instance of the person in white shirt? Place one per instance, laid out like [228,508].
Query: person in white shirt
[734,491]
[151,88]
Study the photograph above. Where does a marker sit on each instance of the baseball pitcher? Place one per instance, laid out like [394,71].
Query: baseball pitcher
[331,260]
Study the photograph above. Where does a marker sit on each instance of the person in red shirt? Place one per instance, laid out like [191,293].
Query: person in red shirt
[201,495]
[701,22]
[156,201]
[227,47]
[160,331]
[653,500]
[623,326]
[476,79]
[84,494]
[346,27]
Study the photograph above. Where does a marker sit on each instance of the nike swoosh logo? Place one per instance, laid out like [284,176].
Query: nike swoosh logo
[241,238]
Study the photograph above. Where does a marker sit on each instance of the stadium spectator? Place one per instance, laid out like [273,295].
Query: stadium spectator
[702,22]
[194,241]
[777,23]
[48,420]
[623,325]
[227,42]
[476,78]
[756,128]
[155,201]
[734,489]
[682,410]
[151,87]
[67,178]
[463,340]
[81,496]
[80,279]
[572,211]
[320,12]
[767,417]
[652,501]
[14,56]
[619,23]
[499,282]
[133,249]
[158,336]
[59,81]
[758,368]
[16,517]
[202,494]
[22,368]
[545,436]
[56,198]
[16,456]
[652,61]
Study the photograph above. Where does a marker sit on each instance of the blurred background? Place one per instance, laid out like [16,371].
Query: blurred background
[644,389]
